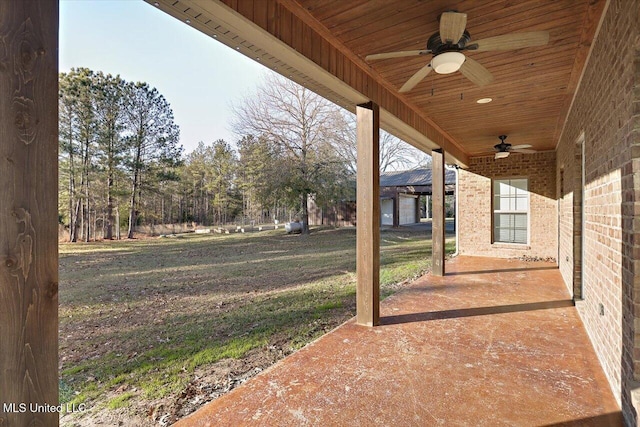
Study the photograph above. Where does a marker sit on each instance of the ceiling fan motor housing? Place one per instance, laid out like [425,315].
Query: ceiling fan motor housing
[503,146]
[447,57]
[436,46]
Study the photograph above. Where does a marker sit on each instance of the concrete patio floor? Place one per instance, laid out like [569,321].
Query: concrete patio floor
[494,342]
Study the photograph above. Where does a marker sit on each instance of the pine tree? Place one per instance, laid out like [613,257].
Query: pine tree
[109,93]
[151,136]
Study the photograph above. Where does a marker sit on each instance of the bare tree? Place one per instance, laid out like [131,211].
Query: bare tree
[301,124]
[395,154]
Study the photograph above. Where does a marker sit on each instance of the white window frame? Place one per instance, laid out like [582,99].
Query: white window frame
[527,212]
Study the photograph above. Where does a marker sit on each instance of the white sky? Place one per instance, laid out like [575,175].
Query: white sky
[198,76]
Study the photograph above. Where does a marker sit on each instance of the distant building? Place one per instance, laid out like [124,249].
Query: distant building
[400,193]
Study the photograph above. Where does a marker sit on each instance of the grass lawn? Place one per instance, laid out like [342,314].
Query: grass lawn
[151,329]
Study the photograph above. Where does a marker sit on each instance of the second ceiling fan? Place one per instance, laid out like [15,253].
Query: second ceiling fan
[447,46]
[504,148]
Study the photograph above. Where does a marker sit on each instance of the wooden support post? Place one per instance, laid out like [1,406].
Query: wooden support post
[368,216]
[438,211]
[28,212]
[396,210]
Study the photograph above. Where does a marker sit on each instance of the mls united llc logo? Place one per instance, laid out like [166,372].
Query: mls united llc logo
[21,408]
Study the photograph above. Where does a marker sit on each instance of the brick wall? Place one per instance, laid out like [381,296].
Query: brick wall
[606,114]
[569,183]
[475,210]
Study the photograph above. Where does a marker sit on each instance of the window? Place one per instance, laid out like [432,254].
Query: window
[510,210]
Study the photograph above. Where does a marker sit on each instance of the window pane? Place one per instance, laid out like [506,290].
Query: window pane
[520,220]
[505,204]
[520,184]
[520,236]
[501,220]
[510,195]
[501,235]
[505,189]
[522,203]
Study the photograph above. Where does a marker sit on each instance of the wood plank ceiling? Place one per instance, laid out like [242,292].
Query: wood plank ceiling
[532,88]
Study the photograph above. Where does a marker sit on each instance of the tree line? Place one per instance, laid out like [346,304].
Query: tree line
[118,139]
[121,162]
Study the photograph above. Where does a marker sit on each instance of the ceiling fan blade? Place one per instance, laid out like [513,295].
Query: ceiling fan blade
[475,72]
[501,155]
[512,41]
[399,54]
[416,78]
[522,150]
[518,147]
[452,25]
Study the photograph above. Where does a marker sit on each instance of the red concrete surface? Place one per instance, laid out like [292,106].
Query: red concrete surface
[493,343]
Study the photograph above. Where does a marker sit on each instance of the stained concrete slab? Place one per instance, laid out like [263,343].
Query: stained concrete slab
[493,343]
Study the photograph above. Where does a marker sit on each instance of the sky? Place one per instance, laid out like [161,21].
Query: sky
[199,76]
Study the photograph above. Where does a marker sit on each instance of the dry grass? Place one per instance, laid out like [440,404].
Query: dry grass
[150,329]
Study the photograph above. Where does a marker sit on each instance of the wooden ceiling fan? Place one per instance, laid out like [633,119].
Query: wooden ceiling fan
[447,46]
[504,148]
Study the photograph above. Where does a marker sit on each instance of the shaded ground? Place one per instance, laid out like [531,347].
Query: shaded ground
[151,329]
[495,342]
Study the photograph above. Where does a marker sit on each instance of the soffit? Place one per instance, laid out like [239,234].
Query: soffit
[323,44]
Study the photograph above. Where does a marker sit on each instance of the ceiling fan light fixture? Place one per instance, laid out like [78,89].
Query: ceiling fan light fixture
[502,154]
[447,62]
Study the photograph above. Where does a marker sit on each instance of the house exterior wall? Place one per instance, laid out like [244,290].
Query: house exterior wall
[475,209]
[606,116]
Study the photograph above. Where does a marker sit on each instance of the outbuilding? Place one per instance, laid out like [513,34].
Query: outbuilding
[400,195]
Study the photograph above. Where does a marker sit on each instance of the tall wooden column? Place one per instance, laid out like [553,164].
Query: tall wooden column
[437,204]
[368,216]
[396,210]
[28,211]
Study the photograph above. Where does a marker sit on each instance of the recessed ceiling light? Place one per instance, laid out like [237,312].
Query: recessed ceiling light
[215,36]
[188,21]
[156,4]
[484,100]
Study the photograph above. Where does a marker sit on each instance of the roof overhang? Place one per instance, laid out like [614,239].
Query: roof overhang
[321,44]
[348,87]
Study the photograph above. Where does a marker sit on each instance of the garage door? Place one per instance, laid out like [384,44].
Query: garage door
[386,210]
[408,209]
